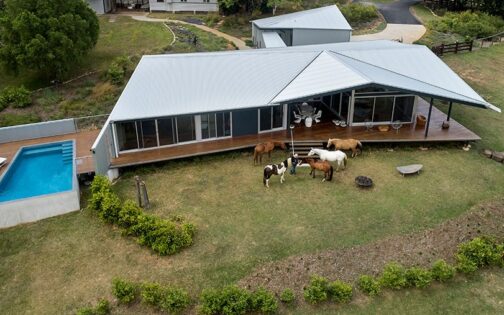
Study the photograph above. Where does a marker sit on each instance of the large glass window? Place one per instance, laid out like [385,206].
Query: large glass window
[166,130]
[223,124]
[383,109]
[215,125]
[127,135]
[403,110]
[148,136]
[208,126]
[271,117]
[185,128]
[363,109]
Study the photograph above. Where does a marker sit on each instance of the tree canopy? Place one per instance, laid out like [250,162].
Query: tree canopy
[48,36]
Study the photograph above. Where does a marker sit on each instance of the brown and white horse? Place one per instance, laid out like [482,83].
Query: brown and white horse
[266,147]
[323,166]
[275,169]
[347,144]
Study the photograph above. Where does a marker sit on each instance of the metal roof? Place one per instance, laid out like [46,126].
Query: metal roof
[272,40]
[328,17]
[168,85]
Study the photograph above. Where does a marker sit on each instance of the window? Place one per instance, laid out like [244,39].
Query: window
[363,109]
[185,129]
[215,125]
[383,109]
[147,134]
[166,131]
[223,124]
[127,135]
[403,110]
[271,118]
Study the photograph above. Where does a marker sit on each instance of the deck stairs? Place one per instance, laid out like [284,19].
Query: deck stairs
[303,147]
[67,152]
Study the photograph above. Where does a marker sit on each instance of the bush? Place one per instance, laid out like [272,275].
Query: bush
[393,276]
[123,290]
[102,308]
[229,300]
[12,119]
[369,285]
[119,69]
[418,277]
[479,252]
[211,19]
[287,296]
[340,291]
[17,97]
[174,300]
[468,24]
[264,301]
[151,293]
[357,13]
[316,292]
[441,271]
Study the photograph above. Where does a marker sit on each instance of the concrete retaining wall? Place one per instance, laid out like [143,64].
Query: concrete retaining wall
[37,130]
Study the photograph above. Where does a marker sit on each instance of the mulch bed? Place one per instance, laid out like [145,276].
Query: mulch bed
[418,249]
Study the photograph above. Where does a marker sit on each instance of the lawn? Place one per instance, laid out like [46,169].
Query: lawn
[59,264]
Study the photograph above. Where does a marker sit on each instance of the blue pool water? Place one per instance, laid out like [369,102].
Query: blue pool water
[39,170]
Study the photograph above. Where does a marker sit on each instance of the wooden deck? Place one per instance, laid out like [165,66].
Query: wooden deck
[319,132]
[84,140]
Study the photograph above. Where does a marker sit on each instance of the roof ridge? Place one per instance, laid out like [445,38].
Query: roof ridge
[403,75]
[353,68]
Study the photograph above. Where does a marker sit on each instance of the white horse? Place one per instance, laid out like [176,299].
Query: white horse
[331,156]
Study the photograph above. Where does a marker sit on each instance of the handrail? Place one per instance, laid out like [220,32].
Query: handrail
[498,34]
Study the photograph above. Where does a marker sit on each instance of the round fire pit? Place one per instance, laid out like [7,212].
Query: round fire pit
[363,181]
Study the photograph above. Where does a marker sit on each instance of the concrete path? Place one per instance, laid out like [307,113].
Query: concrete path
[238,42]
[401,24]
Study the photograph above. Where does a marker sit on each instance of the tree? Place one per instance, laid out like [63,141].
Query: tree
[49,36]
[274,4]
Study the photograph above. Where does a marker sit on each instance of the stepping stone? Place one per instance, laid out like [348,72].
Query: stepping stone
[410,169]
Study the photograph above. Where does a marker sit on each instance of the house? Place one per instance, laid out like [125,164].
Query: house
[179,100]
[184,5]
[102,6]
[317,26]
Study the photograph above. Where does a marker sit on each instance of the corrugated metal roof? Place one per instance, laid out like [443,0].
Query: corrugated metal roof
[329,17]
[272,40]
[166,85]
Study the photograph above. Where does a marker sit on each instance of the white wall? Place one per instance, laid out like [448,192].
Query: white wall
[97,6]
[312,37]
[178,6]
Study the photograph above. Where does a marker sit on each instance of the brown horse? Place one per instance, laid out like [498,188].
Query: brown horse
[323,166]
[266,147]
[347,144]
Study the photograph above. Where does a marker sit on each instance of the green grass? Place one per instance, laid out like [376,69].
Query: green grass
[62,263]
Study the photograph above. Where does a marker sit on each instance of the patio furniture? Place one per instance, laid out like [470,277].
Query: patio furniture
[297,117]
[3,162]
[420,120]
[308,122]
[317,116]
[409,169]
[363,181]
[306,110]
[396,125]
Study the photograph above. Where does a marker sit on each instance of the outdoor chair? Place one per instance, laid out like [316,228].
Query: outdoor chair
[317,116]
[298,117]
[3,162]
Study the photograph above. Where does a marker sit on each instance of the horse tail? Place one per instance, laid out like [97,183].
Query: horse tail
[345,161]
[255,155]
[359,144]
[331,170]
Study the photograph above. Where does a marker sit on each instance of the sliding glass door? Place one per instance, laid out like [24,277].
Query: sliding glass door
[215,125]
[271,118]
[383,109]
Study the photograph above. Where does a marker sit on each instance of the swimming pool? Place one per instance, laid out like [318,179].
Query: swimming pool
[40,182]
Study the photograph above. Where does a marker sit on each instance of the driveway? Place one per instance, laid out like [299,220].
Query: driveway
[396,12]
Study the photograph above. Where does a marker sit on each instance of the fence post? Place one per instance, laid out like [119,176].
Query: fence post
[442,49]
[470,46]
[456,47]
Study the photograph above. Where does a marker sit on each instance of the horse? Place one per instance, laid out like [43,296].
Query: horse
[347,144]
[331,156]
[323,166]
[275,169]
[266,147]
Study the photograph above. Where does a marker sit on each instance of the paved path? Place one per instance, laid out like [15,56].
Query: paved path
[238,42]
[401,24]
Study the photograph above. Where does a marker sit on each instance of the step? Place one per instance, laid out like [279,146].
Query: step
[41,150]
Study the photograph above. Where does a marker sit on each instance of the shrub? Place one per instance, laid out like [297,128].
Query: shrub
[356,13]
[287,296]
[102,308]
[119,69]
[264,301]
[110,206]
[316,292]
[151,293]
[123,290]
[128,216]
[13,119]
[441,271]
[174,300]
[393,276]
[18,97]
[418,277]
[479,252]
[229,300]
[340,291]
[468,24]
[369,285]
[86,311]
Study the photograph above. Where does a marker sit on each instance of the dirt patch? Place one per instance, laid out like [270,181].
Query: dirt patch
[418,249]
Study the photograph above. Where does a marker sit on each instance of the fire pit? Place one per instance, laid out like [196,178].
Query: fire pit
[363,181]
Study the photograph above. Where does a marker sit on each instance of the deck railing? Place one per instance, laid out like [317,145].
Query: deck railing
[90,122]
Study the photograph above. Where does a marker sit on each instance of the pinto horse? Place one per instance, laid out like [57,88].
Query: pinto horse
[323,166]
[266,147]
[275,169]
[331,156]
[347,144]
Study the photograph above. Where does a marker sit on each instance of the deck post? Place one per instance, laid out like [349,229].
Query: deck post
[429,118]
[449,112]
